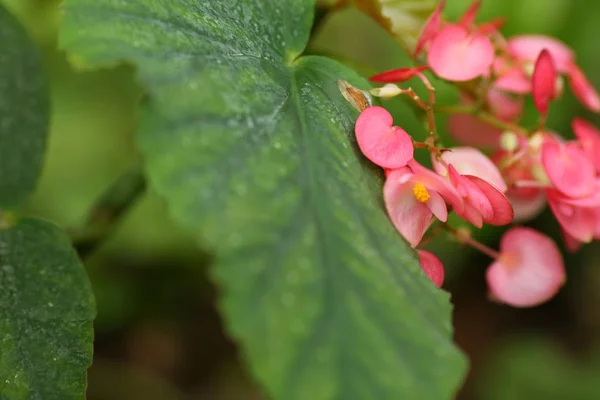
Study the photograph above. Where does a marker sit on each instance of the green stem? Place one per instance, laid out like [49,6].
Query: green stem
[106,212]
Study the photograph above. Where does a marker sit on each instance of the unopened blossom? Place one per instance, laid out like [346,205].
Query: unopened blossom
[384,144]
[398,75]
[413,196]
[529,270]
[432,267]
[543,82]
[479,183]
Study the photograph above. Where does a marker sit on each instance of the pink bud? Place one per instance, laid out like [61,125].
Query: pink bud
[583,89]
[398,75]
[431,27]
[568,167]
[543,82]
[432,267]
[386,145]
[456,55]
[589,139]
[529,271]
[491,26]
[468,18]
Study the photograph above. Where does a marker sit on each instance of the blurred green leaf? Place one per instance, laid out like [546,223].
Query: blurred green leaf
[535,368]
[46,313]
[402,18]
[252,147]
[24,112]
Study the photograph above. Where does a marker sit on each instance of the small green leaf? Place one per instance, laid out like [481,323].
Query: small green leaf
[253,148]
[24,112]
[46,313]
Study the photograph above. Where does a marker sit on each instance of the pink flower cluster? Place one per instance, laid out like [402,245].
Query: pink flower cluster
[525,169]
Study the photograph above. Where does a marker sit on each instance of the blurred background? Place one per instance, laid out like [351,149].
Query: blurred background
[158,332]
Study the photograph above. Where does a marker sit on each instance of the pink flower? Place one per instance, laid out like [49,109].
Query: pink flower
[529,47]
[543,82]
[467,129]
[577,217]
[589,139]
[413,196]
[470,161]
[431,27]
[479,183]
[457,55]
[568,167]
[432,267]
[529,270]
[386,145]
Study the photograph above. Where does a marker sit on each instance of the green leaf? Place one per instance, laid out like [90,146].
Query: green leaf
[535,368]
[46,313]
[252,146]
[24,112]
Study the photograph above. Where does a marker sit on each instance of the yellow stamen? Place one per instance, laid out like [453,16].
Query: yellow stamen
[421,193]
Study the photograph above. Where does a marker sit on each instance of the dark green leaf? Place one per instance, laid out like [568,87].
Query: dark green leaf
[253,148]
[535,368]
[24,112]
[46,313]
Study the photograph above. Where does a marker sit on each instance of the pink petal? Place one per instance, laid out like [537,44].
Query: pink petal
[467,129]
[430,28]
[477,205]
[529,47]
[568,168]
[398,75]
[410,217]
[386,145]
[530,269]
[572,244]
[543,82]
[583,89]
[589,139]
[468,18]
[456,55]
[432,267]
[578,222]
[514,81]
[502,210]
[470,161]
[437,205]
[436,183]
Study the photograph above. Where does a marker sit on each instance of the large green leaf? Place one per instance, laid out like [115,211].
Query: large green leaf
[24,112]
[252,147]
[46,313]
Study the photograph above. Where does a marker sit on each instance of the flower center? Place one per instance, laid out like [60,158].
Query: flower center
[421,193]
